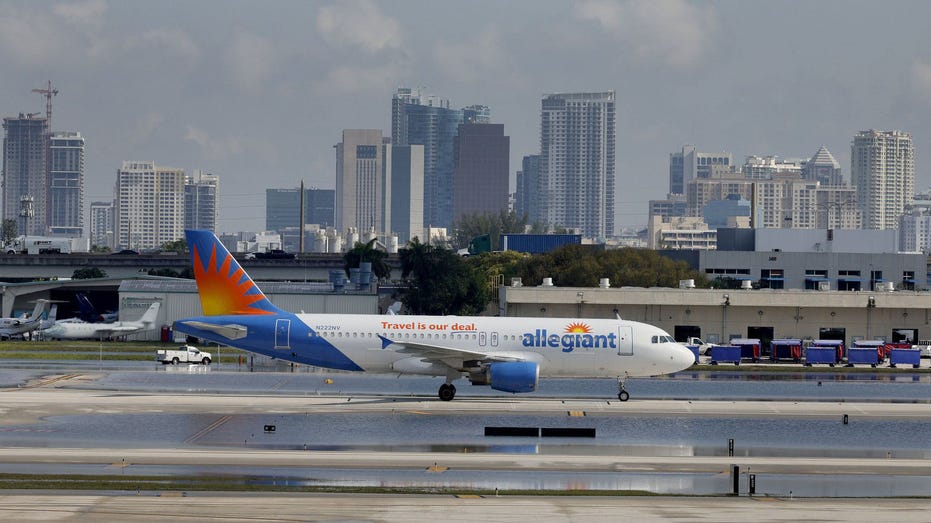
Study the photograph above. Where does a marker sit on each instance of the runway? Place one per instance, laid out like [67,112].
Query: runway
[80,423]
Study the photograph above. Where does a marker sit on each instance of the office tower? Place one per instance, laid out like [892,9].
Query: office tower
[360,183]
[882,166]
[66,184]
[824,169]
[481,174]
[24,172]
[526,202]
[476,114]
[428,121]
[577,162]
[406,193]
[283,208]
[673,206]
[200,201]
[149,205]
[689,164]
[768,167]
[101,224]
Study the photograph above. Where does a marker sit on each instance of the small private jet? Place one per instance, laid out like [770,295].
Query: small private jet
[10,327]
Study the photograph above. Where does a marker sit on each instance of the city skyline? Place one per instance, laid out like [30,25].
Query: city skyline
[244,92]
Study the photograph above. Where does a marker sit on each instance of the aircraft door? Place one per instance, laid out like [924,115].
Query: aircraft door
[625,341]
[282,334]
[494,339]
[482,338]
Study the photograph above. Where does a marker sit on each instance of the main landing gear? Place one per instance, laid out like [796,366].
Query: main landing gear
[447,392]
[621,392]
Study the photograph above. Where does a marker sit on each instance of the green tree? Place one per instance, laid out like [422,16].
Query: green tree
[494,225]
[178,246]
[9,230]
[100,249]
[367,252]
[439,282]
[86,273]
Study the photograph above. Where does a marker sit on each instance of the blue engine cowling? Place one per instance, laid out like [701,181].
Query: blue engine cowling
[516,376]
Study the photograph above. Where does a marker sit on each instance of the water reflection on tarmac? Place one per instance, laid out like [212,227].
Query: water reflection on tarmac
[437,432]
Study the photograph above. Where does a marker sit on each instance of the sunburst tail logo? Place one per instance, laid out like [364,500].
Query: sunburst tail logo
[223,285]
[580,328]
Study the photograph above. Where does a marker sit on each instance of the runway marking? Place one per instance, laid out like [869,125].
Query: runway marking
[437,469]
[419,412]
[206,430]
[468,496]
[576,413]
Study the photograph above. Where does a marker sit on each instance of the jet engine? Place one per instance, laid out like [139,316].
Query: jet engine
[512,376]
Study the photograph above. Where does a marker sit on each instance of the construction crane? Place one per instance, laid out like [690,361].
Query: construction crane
[48,92]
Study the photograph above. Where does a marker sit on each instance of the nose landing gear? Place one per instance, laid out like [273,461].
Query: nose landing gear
[621,391]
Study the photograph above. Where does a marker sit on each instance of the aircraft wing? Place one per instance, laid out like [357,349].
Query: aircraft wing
[448,355]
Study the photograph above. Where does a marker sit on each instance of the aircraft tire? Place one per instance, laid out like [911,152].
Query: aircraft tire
[447,392]
[623,395]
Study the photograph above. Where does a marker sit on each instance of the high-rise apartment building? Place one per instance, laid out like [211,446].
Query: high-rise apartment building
[101,224]
[428,121]
[481,175]
[65,208]
[200,200]
[405,195]
[25,181]
[689,164]
[360,180]
[527,201]
[149,205]
[577,149]
[882,166]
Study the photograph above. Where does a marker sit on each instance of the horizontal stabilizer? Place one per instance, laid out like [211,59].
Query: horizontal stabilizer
[230,332]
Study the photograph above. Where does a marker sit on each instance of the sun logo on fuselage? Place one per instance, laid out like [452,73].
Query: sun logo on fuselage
[225,288]
[581,328]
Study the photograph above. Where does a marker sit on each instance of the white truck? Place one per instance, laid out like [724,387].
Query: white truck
[183,354]
[703,347]
[46,245]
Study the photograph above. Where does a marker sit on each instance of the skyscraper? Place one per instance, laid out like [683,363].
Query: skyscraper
[577,151]
[283,208]
[24,172]
[882,166]
[528,189]
[823,168]
[200,201]
[481,175]
[66,184]
[406,194]
[360,180]
[428,121]
[689,164]
[101,224]
[149,205]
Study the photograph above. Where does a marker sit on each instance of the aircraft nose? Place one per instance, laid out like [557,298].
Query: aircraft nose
[682,358]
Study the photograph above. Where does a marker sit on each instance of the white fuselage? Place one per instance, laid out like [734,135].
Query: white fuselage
[563,347]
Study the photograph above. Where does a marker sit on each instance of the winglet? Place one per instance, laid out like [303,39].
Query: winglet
[223,285]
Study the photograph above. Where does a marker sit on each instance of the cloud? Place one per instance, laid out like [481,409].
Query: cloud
[675,32]
[146,127]
[921,80]
[350,79]
[359,24]
[213,148]
[89,15]
[251,60]
[173,40]
[475,60]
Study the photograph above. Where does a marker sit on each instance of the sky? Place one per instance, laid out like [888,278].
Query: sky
[259,92]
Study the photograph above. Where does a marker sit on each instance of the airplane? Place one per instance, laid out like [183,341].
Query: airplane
[506,353]
[73,330]
[89,313]
[10,327]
